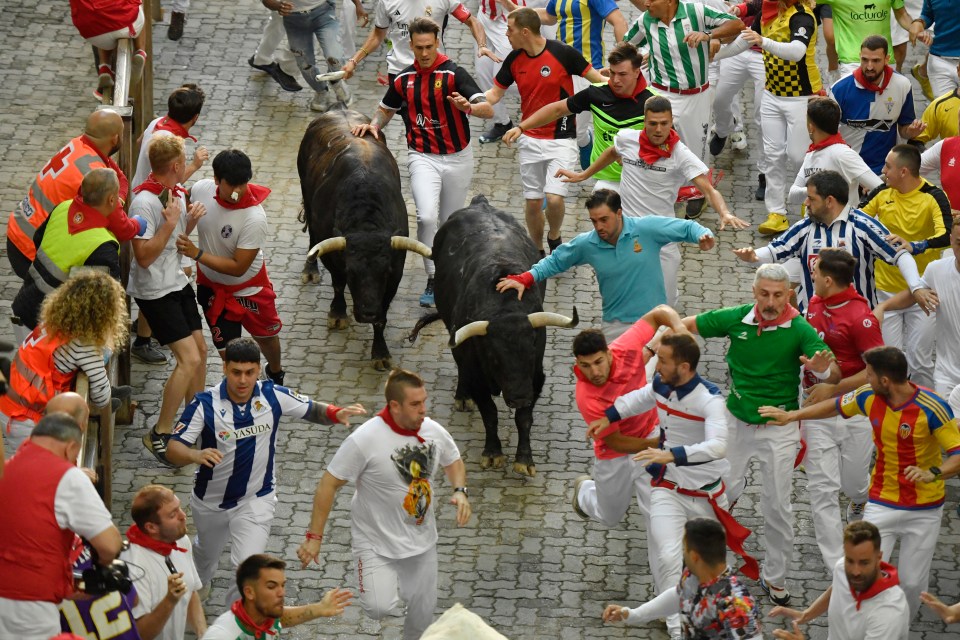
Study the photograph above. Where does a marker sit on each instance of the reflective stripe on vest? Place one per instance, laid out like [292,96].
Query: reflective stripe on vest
[61,251]
[34,378]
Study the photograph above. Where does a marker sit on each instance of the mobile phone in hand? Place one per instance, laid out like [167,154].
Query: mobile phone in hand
[164,197]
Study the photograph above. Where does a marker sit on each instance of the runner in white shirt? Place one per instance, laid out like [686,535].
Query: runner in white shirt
[865,601]
[828,151]
[390,22]
[236,423]
[656,164]
[183,111]
[392,460]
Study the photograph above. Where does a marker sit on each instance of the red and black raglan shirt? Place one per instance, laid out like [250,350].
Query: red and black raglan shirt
[543,79]
[420,95]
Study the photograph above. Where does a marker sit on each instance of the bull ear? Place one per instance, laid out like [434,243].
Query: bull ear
[338,243]
[547,319]
[476,328]
[409,244]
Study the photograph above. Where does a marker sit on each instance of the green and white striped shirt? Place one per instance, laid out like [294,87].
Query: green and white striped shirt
[672,63]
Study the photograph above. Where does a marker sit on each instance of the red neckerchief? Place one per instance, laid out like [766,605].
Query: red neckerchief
[650,152]
[436,63]
[255,195]
[83,217]
[169,124]
[153,186]
[826,142]
[771,9]
[385,414]
[866,84]
[265,627]
[641,87]
[789,313]
[137,536]
[888,578]
[846,295]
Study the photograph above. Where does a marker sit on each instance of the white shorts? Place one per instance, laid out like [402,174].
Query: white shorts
[539,162]
[606,184]
[898,34]
[108,41]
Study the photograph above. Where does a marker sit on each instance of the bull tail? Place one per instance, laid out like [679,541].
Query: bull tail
[302,217]
[421,323]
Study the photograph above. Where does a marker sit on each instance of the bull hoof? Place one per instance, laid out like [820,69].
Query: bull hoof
[525,468]
[310,273]
[382,364]
[337,323]
[496,462]
[464,404]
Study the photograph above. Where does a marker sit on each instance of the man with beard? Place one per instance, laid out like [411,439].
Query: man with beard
[260,611]
[865,600]
[910,427]
[769,344]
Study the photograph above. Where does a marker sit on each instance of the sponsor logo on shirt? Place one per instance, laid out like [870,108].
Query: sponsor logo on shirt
[870,13]
[245,432]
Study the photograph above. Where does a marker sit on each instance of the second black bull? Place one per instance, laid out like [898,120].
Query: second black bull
[498,341]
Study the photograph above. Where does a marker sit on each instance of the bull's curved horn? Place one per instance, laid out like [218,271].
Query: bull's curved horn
[547,319]
[477,328]
[338,243]
[409,244]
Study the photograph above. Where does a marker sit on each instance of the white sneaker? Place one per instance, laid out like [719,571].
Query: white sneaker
[738,141]
[321,101]
[343,93]
[855,511]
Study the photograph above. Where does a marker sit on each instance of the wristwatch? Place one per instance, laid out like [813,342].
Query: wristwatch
[463,490]
[936,472]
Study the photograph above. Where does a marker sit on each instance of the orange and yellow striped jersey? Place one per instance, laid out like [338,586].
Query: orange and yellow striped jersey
[912,434]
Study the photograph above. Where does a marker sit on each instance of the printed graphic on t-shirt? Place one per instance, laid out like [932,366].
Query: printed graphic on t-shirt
[415,465]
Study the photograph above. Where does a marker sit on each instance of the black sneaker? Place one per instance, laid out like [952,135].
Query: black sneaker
[276,376]
[553,244]
[175,30]
[761,192]
[285,80]
[427,300]
[695,207]
[495,132]
[156,443]
[717,144]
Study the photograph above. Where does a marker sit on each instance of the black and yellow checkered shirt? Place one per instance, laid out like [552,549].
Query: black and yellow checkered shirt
[784,77]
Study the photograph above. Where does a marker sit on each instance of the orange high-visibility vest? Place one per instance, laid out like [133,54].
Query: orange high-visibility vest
[34,378]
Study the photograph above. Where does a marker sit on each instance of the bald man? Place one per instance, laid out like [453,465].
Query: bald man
[73,405]
[59,180]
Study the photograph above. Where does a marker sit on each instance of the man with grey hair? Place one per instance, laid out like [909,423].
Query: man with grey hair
[46,500]
[769,344]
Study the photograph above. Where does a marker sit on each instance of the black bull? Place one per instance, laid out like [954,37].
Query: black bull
[498,341]
[354,211]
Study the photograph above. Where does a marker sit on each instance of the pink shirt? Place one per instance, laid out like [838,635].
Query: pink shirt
[627,372]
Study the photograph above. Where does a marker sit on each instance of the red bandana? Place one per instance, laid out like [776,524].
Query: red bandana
[255,195]
[137,536]
[385,414]
[839,298]
[771,9]
[650,152]
[436,63]
[866,84]
[83,217]
[789,313]
[888,578]
[169,124]
[154,187]
[826,142]
[259,630]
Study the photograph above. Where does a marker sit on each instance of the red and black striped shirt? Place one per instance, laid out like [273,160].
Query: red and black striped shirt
[420,95]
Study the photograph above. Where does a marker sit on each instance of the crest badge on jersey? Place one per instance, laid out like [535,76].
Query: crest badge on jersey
[438,84]
[257,405]
[78,218]
[226,231]
[428,11]
[545,71]
[904,431]
[847,397]
[867,323]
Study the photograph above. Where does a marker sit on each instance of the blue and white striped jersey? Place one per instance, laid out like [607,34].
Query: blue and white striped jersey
[246,435]
[853,231]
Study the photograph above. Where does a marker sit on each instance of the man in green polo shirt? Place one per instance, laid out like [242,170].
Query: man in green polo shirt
[769,343]
[854,20]
[616,105]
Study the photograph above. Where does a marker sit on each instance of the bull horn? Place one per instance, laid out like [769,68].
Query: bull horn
[477,328]
[547,319]
[338,243]
[409,244]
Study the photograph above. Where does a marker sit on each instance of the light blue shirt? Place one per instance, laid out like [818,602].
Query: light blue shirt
[629,274]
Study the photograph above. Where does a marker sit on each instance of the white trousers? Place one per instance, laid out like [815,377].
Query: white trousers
[28,620]
[839,453]
[347,15]
[786,140]
[273,47]
[180,6]
[19,430]
[386,584]
[734,73]
[918,532]
[607,497]
[776,449]
[913,332]
[943,74]
[584,118]
[487,69]
[670,265]
[669,512]
[246,527]
[439,184]
[691,119]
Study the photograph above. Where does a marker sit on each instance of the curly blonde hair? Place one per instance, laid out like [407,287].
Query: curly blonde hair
[89,307]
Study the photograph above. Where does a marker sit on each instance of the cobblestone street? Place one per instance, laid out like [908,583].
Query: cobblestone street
[525,562]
